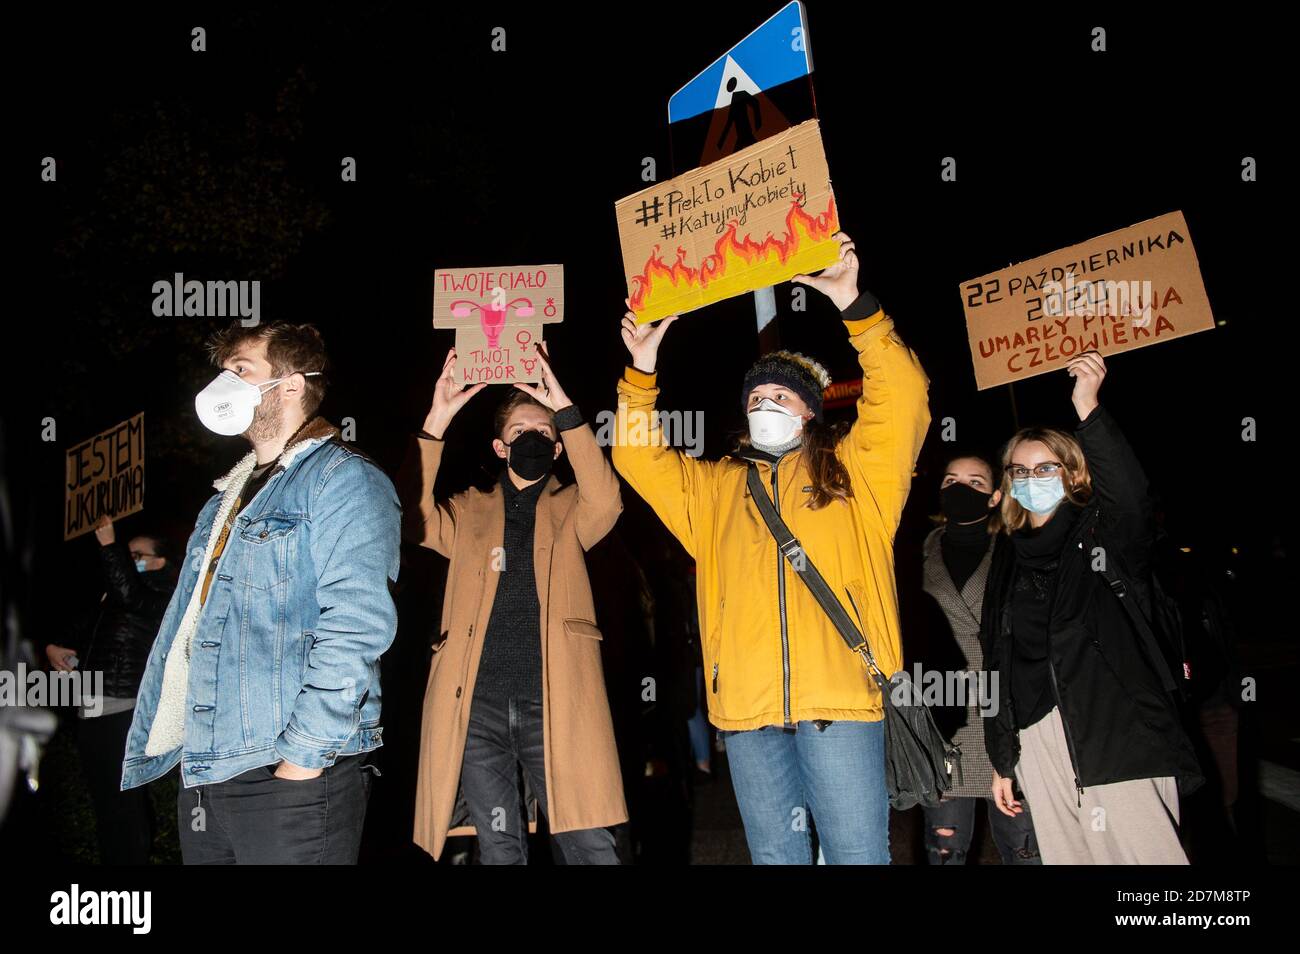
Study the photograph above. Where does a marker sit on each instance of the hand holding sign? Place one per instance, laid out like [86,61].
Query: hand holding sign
[1088,371]
[838,282]
[642,341]
[550,393]
[104,531]
[449,396]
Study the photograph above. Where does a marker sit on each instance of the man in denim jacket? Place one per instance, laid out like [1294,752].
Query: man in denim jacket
[263,682]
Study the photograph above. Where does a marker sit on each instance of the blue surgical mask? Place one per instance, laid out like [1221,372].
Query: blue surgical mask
[140,566]
[1038,494]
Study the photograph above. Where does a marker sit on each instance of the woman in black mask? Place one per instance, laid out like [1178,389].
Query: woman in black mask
[957,556]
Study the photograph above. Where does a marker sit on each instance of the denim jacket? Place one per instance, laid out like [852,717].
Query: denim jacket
[283,657]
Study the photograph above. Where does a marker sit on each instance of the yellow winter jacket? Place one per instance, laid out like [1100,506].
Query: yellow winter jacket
[754,674]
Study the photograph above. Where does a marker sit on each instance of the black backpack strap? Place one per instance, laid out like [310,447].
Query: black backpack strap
[790,548]
[1119,586]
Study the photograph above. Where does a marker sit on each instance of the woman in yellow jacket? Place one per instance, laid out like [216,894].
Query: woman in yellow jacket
[801,718]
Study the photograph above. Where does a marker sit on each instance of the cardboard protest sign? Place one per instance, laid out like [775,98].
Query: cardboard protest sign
[498,314]
[104,477]
[750,220]
[1120,291]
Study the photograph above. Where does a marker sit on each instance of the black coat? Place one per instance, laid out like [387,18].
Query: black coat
[119,635]
[1120,724]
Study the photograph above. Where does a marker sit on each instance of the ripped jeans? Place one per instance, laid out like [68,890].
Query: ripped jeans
[1014,837]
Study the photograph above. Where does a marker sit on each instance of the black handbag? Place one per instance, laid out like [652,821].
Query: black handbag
[919,762]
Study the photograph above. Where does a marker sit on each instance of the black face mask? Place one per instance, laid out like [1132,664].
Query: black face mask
[962,503]
[531,455]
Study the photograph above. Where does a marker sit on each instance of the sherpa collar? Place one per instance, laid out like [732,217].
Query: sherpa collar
[167,731]
[313,432]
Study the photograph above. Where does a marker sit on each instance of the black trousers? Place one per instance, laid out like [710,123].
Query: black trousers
[258,819]
[503,735]
[123,820]
[1014,837]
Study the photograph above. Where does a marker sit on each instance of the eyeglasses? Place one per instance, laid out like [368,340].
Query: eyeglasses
[1046,469]
[136,554]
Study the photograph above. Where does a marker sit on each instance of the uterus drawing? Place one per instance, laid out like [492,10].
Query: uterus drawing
[492,320]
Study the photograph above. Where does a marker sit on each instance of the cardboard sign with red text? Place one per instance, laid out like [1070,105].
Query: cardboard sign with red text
[498,314]
[755,218]
[1123,290]
[104,477]
[513,356]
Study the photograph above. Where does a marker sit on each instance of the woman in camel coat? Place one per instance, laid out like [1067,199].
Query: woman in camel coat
[583,787]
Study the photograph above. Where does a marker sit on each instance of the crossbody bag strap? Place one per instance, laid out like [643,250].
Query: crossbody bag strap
[1140,622]
[790,548]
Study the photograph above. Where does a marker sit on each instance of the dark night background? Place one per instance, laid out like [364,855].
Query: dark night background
[225,165]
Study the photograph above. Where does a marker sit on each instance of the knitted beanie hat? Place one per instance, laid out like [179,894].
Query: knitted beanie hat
[800,373]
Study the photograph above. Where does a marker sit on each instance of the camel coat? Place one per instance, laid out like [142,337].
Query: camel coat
[583,782]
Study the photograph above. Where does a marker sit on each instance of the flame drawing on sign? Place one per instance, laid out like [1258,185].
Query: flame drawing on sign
[732,255]
[492,320]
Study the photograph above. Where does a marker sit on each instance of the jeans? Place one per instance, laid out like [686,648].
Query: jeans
[1014,837]
[836,774]
[256,818]
[123,819]
[504,734]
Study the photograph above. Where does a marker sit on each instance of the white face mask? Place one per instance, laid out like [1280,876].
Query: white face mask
[226,405]
[770,423]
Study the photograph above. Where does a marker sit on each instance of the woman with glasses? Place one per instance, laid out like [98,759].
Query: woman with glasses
[1085,723]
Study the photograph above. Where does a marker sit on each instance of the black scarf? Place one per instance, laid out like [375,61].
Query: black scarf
[1041,548]
[963,547]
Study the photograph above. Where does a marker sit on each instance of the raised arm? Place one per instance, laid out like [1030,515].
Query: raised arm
[893,411]
[432,523]
[122,583]
[669,481]
[429,522]
[599,500]
[1118,479]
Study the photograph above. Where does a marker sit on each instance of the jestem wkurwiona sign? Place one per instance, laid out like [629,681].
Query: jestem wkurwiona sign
[104,476]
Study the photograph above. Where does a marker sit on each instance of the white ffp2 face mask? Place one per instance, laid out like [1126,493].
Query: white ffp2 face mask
[770,423]
[226,405]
